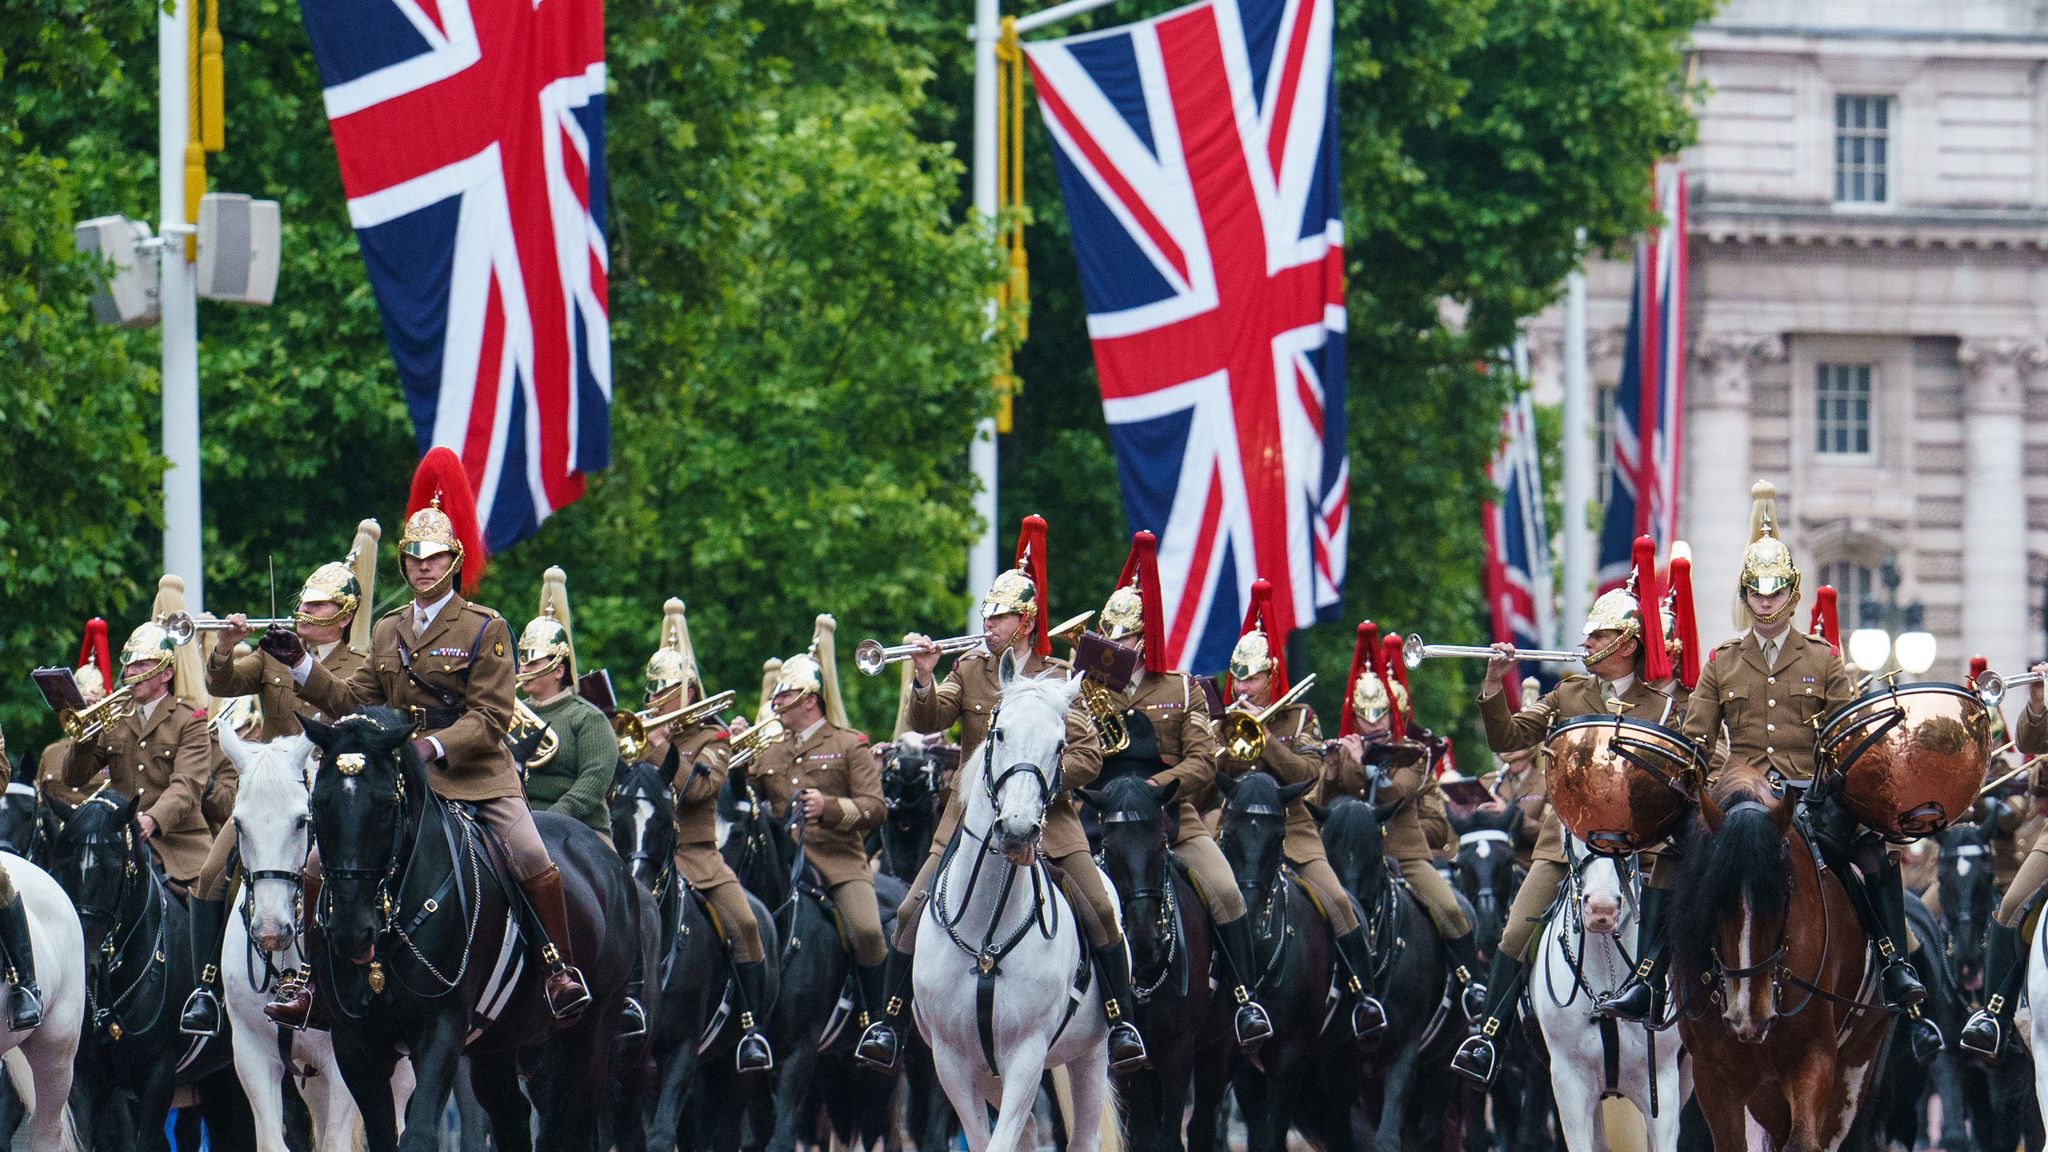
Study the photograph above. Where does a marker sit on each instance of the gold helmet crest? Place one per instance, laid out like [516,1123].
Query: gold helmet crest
[1252,655]
[675,662]
[1767,565]
[1370,701]
[545,644]
[1012,591]
[1123,614]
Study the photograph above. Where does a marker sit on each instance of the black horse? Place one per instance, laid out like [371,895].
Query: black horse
[688,976]
[1969,897]
[1411,977]
[813,1024]
[1306,1075]
[28,822]
[912,767]
[415,942]
[1186,1025]
[1486,875]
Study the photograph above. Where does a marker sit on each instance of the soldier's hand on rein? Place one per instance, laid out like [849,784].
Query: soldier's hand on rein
[813,803]
[237,630]
[285,645]
[145,825]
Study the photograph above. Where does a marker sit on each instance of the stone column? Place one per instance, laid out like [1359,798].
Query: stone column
[1714,519]
[1994,500]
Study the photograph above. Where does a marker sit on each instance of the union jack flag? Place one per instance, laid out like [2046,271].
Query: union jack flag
[1517,538]
[1197,157]
[471,141]
[1642,492]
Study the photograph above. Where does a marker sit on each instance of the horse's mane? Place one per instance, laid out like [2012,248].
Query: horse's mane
[272,780]
[1046,689]
[641,777]
[1127,793]
[1747,860]
[1254,788]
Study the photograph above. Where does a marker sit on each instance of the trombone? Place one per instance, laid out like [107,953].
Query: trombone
[1242,735]
[82,724]
[182,627]
[870,657]
[632,727]
[748,746]
[1991,687]
[1414,652]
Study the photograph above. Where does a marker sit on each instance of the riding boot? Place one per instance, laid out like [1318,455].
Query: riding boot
[1900,984]
[1641,995]
[1477,1058]
[874,991]
[1126,1047]
[26,1009]
[293,1004]
[201,1016]
[1984,1035]
[1368,1015]
[881,1043]
[1234,940]
[566,993]
[753,1053]
[633,1014]
[1465,966]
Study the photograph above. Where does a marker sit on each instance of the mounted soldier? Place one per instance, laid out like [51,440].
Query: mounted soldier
[2005,960]
[95,670]
[581,755]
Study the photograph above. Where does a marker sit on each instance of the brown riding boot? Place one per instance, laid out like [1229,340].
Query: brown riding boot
[567,995]
[293,1006]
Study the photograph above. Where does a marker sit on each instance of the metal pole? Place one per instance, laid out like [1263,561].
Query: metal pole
[1579,439]
[179,301]
[981,453]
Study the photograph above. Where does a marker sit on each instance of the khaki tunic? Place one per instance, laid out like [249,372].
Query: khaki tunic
[1402,836]
[50,776]
[1766,716]
[838,763]
[703,756]
[1187,743]
[1292,754]
[163,762]
[218,801]
[969,696]
[1524,789]
[466,652]
[2032,732]
[262,675]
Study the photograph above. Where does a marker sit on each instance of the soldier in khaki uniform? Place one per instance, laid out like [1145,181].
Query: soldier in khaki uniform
[2005,961]
[703,756]
[450,664]
[825,769]
[49,779]
[1613,684]
[336,634]
[1520,784]
[1014,628]
[1289,749]
[1172,737]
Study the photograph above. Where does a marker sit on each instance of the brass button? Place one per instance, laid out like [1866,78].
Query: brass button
[1771,703]
[1770,679]
[1769,750]
[1770,727]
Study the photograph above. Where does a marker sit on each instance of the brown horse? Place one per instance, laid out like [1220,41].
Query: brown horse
[1779,1011]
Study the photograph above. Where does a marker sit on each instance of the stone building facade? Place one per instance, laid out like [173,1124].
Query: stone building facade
[1867,309]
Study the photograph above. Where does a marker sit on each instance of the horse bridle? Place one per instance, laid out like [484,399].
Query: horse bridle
[993,783]
[112,952]
[386,876]
[990,954]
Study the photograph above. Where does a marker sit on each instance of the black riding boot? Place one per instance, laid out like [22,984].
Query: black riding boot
[633,1015]
[1902,987]
[1234,940]
[882,1042]
[209,919]
[753,1053]
[1984,1035]
[1640,997]
[1465,966]
[1477,1059]
[26,1008]
[1368,1015]
[1126,1047]
[874,990]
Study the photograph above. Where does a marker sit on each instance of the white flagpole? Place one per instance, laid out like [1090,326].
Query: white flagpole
[179,301]
[1579,439]
[981,453]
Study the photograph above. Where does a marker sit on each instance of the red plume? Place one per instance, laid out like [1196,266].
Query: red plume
[1826,623]
[1393,671]
[1656,661]
[1031,558]
[1978,666]
[93,650]
[1686,620]
[1259,616]
[1364,658]
[441,474]
[1143,562]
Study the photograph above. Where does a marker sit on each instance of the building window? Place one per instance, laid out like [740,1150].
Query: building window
[1862,149]
[1841,409]
[1853,584]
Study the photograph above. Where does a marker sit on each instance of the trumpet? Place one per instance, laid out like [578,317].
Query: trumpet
[1242,735]
[870,657]
[1991,687]
[632,727]
[748,747]
[1414,652]
[87,722]
[1070,630]
[182,627]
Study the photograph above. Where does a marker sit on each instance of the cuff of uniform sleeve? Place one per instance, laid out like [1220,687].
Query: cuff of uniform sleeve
[848,812]
[303,668]
[440,753]
[922,689]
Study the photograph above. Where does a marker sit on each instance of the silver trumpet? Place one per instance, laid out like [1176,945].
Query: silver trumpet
[870,657]
[182,627]
[1991,687]
[1414,652]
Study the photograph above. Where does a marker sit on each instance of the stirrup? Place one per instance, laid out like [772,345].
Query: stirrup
[1984,1033]
[1127,1048]
[1476,1060]
[1253,1025]
[879,1046]
[753,1054]
[199,1017]
[1368,1018]
[632,1019]
[576,1004]
[26,1011]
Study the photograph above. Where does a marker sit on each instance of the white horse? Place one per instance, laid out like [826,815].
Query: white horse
[1586,953]
[272,828]
[2037,1010]
[1001,904]
[39,1062]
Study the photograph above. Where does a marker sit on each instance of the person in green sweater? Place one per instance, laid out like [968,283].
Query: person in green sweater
[574,779]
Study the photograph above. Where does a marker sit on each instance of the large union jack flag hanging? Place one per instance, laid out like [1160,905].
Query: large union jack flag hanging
[1517,538]
[1197,157]
[1649,403]
[471,141]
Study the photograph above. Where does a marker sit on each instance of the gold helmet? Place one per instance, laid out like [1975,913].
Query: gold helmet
[1767,565]
[1134,609]
[545,642]
[429,532]
[817,671]
[1011,592]
[339,587]
[1615,611]
[442,518]
[675,662]
[91,685]
[1123,614]
[1021,590]
[1251,656]
[148,645]
[1370,700]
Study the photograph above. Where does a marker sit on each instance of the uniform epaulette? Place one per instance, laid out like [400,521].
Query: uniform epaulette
[1571,676]
[391,612]
[1726,645]
[487,613]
